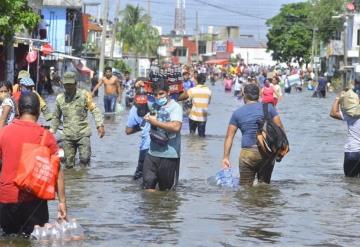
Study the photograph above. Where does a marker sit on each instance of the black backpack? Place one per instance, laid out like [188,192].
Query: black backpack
[271,138]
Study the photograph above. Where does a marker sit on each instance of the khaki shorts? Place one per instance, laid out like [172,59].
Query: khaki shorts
[253,163]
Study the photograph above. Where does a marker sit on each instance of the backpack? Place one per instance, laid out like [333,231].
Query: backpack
[271,138]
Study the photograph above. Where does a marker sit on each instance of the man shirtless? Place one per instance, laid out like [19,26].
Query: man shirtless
[112,90]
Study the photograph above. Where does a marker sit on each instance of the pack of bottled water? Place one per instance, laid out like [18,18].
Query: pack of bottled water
[58,231]
[225,178]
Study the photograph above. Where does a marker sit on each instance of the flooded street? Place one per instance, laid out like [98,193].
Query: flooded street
[309,203]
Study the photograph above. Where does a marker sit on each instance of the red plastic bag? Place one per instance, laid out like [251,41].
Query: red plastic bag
[38,170]
[31,56]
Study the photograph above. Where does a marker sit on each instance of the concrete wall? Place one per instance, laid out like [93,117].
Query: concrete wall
[254,55]
[56,19]
[353,51]
[64,3]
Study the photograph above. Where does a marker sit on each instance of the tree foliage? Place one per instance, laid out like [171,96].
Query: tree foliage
[321,17]
[122,66]
[136,34]
[290,35]
[16,16]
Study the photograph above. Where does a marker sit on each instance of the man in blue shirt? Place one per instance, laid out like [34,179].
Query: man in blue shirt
[161,165]
[321,87]
[137,123]
[252,161]
[187,83]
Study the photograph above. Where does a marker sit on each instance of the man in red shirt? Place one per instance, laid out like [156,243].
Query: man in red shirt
[21,210]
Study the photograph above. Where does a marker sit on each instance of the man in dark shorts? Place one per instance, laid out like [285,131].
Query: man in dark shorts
[252,161]
[161,165]
[20,210]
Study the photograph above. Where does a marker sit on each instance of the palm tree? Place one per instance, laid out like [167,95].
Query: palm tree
[136,34]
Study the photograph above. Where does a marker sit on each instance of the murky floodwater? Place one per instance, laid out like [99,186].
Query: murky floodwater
[309,202]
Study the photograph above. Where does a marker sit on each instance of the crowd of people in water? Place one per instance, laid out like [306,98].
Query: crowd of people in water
[158,106]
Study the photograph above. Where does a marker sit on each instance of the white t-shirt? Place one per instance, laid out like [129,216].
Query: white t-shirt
[237,84]
[352,143]
[12,113]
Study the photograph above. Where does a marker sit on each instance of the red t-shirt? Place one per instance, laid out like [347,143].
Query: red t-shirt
[12,137]
[268,95]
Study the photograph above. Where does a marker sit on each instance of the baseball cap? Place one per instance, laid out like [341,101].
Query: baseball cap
[27,82]
[23,74]
[69,78]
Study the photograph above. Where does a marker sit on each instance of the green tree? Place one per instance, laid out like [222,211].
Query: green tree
[15,17]
[321,17]
[290,35]
[122,66]
[136,34]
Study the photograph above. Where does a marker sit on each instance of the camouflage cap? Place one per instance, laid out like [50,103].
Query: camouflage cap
[23,74]
[69,78]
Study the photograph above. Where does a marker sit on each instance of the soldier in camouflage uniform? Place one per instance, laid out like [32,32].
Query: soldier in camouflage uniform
[73,106]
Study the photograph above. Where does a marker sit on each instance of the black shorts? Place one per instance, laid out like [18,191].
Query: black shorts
[352,164]
[161,171]
[21,217]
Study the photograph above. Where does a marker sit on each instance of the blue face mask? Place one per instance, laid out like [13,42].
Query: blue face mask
[161,101]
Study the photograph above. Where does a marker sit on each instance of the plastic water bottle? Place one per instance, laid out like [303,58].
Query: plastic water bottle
[36,234]
[76,230]
[65,231]
[228,177]
[44,236]
[219,177]
[225,178]
[55,234]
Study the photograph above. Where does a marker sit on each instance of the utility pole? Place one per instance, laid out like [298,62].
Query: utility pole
[149,9]
[313,49]
[317,62]
[103,37]
[197,36]
[314,53]
[345,52]
[114,31]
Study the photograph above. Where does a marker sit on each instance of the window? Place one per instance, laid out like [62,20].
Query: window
[180,52]
[336,35]
[202,47]
[358,37]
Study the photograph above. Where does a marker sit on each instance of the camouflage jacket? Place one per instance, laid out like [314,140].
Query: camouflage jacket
[73,113]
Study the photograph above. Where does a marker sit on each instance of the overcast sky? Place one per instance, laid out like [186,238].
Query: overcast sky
[250,15]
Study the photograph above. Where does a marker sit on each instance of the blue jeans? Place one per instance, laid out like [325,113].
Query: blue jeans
[109,103]
[200,126]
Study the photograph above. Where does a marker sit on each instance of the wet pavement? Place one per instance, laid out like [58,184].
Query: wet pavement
[309,202]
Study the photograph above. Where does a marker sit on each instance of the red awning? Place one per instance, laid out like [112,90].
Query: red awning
[217,61]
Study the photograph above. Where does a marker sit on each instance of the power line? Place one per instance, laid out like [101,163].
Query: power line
[229,10]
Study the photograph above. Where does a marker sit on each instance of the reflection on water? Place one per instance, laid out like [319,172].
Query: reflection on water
[309,202]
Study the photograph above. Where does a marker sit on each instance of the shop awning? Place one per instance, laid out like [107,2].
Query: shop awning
[217,61]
